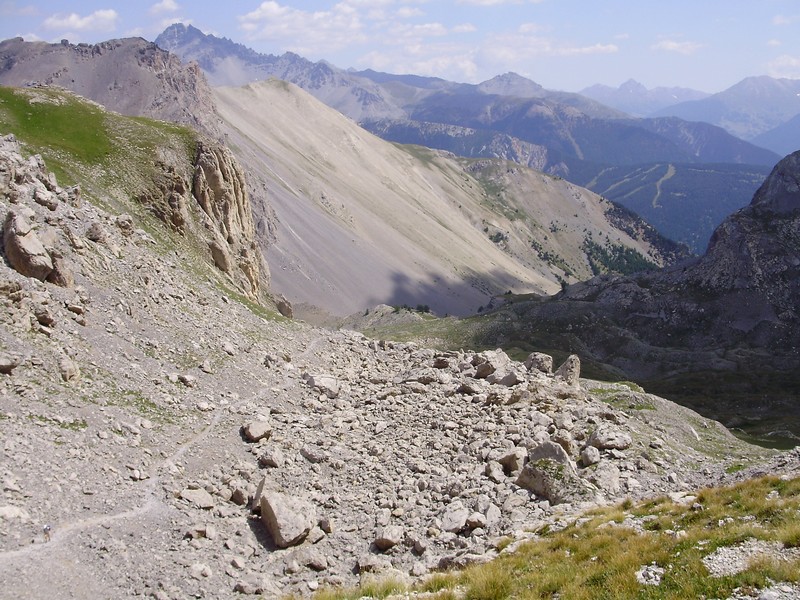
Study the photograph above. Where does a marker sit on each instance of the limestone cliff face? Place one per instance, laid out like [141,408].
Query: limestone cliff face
[220,189]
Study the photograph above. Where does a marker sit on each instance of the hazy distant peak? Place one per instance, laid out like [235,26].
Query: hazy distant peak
[633,87]
[511,84]
[634,98]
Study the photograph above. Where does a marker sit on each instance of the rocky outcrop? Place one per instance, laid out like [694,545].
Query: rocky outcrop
[33,249]
[23,248]
[220,189]
[215,185]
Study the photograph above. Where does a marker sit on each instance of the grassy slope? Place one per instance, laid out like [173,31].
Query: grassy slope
[116,160]
[112,157]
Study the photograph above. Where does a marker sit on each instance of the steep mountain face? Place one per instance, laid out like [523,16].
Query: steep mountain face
[724,326]
[362,221]
[751,107]
[130,76]
[467,141]
[635,99]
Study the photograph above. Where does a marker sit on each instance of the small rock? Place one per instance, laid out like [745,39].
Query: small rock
[257,430]
[388,537]
[200,498]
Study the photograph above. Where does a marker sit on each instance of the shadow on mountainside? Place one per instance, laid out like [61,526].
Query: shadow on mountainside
[478,292]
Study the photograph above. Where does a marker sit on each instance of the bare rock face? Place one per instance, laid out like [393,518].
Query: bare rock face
[169,198]
[220,188]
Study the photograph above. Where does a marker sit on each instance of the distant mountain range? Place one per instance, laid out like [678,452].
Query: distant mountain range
[749,110]
[511,117]
[638,101]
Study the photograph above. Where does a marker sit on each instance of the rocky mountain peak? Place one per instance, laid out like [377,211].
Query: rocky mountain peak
[780,193]
[633,87]
[511,84]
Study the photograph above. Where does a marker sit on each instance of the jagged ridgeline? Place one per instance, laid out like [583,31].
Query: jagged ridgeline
[161,173]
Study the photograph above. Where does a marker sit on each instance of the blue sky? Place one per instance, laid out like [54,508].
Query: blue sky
[562,44]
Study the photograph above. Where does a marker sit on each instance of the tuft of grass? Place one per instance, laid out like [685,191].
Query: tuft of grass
[489,583]
[789,535]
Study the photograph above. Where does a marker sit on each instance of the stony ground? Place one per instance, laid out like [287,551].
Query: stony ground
[148,416]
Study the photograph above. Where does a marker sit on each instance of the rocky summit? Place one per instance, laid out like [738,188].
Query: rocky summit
[166,437]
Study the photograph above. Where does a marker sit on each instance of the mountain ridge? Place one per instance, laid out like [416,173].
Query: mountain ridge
[747,109]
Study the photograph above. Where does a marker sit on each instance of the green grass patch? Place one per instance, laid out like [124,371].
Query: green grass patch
[69,425]
[104,152]
[144,406]
[56,123]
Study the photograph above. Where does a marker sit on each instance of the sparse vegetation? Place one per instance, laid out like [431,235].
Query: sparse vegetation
[600,554]
[615,258]
[71,425]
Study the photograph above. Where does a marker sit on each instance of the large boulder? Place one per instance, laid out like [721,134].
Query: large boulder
[287,518]
[551,474]
[606,437]
[23,249]
[570,370]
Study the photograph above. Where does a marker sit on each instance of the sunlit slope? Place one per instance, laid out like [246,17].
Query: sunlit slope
[361,221]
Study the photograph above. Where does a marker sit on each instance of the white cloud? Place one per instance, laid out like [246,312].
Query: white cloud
[774,43]
[785,66]
[465,28]
[668,45]
[406,12]
[305,32]
[785,19]
[523,46]
[165,6]
[100,20]
[403,33]
[496,2]
[10,9]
